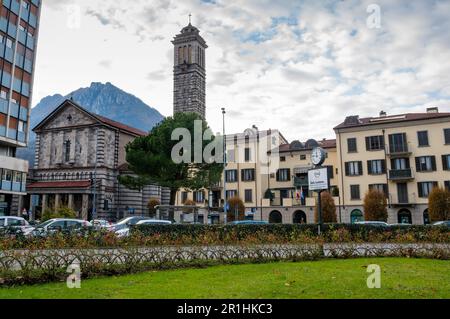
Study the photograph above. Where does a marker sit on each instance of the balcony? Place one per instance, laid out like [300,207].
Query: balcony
[398,150]
[405,200]
[401,174]
[301,181]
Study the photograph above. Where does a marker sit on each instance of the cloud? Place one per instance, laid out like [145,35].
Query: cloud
[299,66]
[105,63]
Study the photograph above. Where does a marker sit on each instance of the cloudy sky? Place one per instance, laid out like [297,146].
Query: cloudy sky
[299,66]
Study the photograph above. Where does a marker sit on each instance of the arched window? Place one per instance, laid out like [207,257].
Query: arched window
[426,218]
[180,55]
[198,55]
[299,217]
[275,217]
[67,150]
[189,54]
[404,217]
[356,216]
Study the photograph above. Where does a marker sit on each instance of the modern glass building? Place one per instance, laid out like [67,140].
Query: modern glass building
[19,24]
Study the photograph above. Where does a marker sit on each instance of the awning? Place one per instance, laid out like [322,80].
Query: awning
[74,184]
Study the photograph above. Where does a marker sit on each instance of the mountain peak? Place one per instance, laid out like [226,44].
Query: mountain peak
[104,99]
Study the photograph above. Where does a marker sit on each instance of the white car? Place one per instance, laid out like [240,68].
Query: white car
[102,224]
[58,224]
[15,222]
[123,230]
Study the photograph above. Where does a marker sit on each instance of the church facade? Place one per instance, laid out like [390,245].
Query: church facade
[79,157]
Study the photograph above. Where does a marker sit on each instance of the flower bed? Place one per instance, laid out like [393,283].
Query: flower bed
[34,260]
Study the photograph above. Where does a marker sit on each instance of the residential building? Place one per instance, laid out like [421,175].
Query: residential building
[79,157]
[256,167]
[19,25]
[293,201]
[403,155]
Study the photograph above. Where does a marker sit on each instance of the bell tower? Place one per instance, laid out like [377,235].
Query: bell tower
[189,71]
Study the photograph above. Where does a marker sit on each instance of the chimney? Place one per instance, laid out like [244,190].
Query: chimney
[433,110]
[383,114]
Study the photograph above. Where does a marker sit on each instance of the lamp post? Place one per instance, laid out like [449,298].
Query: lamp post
[224,167]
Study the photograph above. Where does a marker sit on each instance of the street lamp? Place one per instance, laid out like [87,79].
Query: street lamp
[224,167]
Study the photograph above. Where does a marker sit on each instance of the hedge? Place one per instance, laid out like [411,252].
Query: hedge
[182,235]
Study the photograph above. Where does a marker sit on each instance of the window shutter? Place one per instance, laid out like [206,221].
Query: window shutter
[385,190]
[419,185]
[418,168]
[382,142]
[289,174]
[278,175]
[330,171]
[368,143]
[360,167]
[383,166]
[369,167]
[444,162]
[433,163]
[243,175]
[347,169]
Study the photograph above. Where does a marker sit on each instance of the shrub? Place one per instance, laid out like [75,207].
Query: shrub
[328,209]
[439,204]
[375,206]
[235,207]
[152,203]
[62,212]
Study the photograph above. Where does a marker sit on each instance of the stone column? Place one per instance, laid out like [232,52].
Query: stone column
[57,201]
[85,207]
[70,204]
[19,205]
[44,203]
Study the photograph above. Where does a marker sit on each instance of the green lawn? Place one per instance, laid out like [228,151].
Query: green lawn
[401,278]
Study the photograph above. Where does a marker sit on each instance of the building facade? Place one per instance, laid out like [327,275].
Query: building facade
[260,163]
[79,157]
[404,156]
[19,25]
[189,71]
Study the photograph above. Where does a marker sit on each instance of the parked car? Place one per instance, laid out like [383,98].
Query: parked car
[373,223]
[123,230]
[401,225]
[250,222]
[58,225]
[13,222]
[442,223]
[101,224]
[154,222]
[129,221]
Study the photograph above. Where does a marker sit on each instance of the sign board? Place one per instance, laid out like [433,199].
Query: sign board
[318,179]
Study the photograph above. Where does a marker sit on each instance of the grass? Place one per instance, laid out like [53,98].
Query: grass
[401,279]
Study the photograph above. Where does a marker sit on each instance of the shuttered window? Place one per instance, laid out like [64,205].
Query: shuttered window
[353,169]
[352,145]
[425,188]
[426,164]
[355,192]
[376,167]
